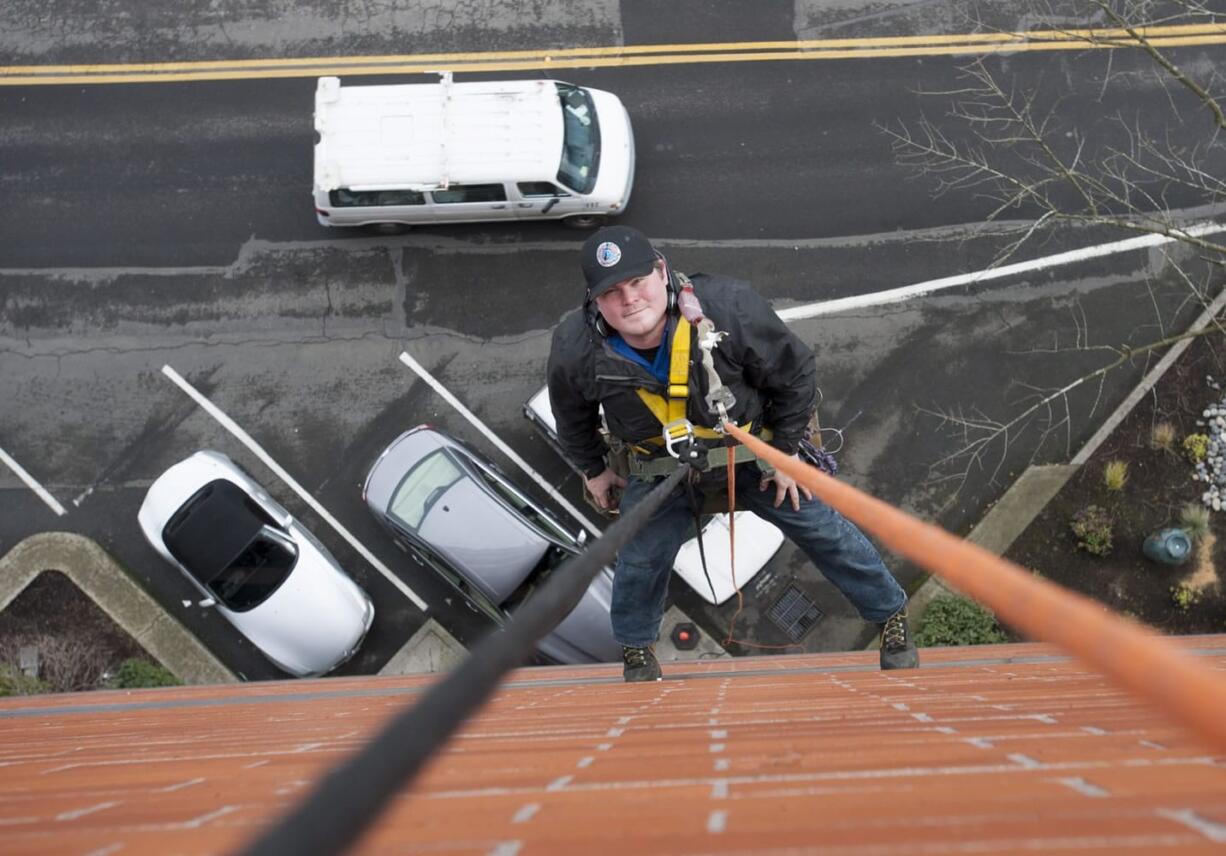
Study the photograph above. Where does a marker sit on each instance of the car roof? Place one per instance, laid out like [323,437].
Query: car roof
[424,136]
[212,528]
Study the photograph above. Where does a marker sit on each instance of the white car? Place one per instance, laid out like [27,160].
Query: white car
[756,540]
[249,558]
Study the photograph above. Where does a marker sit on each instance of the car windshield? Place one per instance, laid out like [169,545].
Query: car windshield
[421,488]
[580,139]
[256,572]
[219,522]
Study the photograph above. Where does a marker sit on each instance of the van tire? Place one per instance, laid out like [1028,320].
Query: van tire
[584,221]
[387,228]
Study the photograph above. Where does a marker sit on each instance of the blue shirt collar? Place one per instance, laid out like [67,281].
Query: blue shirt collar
[659,366]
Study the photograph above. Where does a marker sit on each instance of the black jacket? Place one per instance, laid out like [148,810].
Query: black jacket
[767,368]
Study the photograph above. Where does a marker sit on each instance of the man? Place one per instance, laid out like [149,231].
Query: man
[616,352]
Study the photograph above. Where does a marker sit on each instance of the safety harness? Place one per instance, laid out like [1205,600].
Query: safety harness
[696,445]
[680,438]
[686,443]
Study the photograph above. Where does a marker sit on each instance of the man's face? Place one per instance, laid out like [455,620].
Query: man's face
[636,307]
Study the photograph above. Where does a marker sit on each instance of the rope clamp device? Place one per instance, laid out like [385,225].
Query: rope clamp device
[679,442]
[719,398]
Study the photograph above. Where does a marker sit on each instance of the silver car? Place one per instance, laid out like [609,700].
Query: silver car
[452,509]
[254,562]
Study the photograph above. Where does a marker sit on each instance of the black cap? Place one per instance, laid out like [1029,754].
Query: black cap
[614,254]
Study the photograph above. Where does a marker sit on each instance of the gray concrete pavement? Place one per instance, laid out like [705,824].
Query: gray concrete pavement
[299,342]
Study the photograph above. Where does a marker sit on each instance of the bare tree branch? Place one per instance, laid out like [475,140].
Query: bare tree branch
[1161,59]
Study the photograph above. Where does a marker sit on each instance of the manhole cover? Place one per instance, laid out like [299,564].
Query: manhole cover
[794,613]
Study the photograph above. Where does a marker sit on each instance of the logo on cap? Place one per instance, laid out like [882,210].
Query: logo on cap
[608,254]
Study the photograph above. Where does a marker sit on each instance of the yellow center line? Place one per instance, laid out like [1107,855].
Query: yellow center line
[615,56]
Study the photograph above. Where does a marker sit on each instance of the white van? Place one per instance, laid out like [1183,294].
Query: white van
[394,155]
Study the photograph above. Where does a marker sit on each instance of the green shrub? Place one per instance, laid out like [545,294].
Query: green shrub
[134,674]
[15,682]
[1194,518]
[1115,475]
[954,620]
[1092,525]
[1184,597]
[1196,446]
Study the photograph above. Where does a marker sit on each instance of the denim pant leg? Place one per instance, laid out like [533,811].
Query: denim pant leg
[640,575]
[833,544]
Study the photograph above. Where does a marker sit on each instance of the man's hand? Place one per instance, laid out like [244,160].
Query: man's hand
[785,485]
[602,487]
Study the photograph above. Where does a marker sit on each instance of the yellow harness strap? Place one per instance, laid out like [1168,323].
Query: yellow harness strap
[671,410]
[679,370]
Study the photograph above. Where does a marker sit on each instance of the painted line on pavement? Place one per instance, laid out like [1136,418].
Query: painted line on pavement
[955,44]
[1067,35]
[246,439]
[898,295]
[32,483]
[497,441]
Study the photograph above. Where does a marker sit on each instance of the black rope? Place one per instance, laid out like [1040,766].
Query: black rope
[352,795]
[695,506]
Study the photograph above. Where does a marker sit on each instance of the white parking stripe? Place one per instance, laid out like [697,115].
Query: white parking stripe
[31,483]
[245,438]
[497,441]
[897,295]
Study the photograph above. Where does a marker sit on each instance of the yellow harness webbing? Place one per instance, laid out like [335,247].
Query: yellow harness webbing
[672,409]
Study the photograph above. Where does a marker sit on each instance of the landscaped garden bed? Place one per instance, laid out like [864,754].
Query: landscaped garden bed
[70,642]
[1140,480]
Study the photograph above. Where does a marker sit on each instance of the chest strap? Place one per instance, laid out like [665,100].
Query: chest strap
[670,410]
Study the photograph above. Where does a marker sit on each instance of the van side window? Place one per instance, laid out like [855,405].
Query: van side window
[540,188]
[343,197]
[471,193]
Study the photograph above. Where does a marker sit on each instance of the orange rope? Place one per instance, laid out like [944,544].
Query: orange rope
[740,598]
[1134,656]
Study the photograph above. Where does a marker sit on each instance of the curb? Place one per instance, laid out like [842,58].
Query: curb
[1036,486]
[104,581]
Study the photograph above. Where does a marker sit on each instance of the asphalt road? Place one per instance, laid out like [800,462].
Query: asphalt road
[170,224]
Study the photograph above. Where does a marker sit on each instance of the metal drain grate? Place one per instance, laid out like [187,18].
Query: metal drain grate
[795,613]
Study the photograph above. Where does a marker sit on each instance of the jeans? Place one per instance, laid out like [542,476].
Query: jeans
[832,543]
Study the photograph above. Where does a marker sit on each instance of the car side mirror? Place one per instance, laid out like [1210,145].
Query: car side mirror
[548,205]
[207,602]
